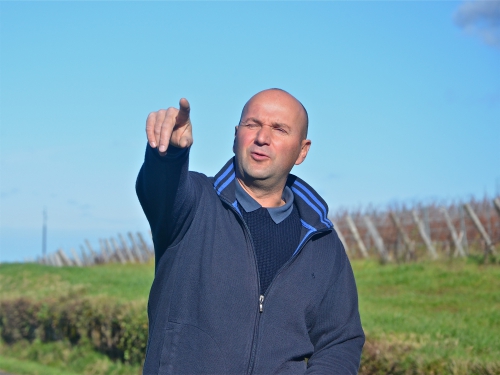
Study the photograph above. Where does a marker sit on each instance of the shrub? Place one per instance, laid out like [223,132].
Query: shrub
[118,330]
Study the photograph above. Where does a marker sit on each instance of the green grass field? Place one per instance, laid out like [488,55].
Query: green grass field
[428,314]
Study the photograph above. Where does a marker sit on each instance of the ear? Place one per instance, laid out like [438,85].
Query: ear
[305,144]
[234,141]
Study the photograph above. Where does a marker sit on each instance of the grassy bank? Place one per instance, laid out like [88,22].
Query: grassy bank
[448,310]
[129,282]
[424,318]
[59,358]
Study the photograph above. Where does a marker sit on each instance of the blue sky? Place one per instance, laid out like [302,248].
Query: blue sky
[403,98]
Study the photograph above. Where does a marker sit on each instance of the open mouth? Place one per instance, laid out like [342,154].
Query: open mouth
[259,156]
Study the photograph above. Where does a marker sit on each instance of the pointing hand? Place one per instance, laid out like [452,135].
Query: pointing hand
[170,126]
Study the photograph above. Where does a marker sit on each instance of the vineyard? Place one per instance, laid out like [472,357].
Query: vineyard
[84,312]
[399,234]
[432,231]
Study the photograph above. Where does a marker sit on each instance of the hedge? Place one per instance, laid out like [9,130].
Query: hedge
[118,330]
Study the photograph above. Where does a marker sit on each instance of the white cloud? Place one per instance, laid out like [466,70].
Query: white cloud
[480,18]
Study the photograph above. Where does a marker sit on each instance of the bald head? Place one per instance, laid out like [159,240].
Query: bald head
[282,95]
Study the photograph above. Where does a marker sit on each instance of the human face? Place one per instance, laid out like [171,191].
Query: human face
[270,139]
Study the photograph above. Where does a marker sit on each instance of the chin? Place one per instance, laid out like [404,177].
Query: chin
[257,175]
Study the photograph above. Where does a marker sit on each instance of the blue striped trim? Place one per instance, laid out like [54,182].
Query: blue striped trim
[229,169]
[228,181]
[311,230]
[308,192]
[299,193]
[235,205]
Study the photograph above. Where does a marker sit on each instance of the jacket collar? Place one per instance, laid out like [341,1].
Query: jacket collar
[313,210]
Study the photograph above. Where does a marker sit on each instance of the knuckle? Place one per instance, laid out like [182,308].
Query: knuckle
[172,111]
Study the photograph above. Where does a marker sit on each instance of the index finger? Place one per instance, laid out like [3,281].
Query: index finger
[183,115]
[150,129]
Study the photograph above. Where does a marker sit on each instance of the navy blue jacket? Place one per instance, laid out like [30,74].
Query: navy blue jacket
[205,312]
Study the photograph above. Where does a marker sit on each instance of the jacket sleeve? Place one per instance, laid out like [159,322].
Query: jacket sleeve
[336,334]
[167,196]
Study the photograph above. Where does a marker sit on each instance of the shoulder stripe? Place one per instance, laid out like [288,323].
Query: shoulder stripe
[226,172]
[299,193]
[313,196]
[228,181]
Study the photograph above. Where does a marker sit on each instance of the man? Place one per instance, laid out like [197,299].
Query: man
[251,277]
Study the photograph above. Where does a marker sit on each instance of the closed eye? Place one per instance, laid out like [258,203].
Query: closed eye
[251,125]
[280,129]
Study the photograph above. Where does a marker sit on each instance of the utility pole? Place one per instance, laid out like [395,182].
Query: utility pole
[44,233]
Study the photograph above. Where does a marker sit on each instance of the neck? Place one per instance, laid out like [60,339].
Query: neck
[266,197]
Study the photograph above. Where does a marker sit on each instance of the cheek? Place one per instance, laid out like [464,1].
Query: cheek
[242,141]
[238,144]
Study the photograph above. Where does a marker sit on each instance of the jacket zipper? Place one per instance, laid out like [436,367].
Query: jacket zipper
[261,303]
[287,264]
[263,296]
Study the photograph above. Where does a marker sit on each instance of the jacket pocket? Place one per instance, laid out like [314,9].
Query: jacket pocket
[297,367]
[189,350]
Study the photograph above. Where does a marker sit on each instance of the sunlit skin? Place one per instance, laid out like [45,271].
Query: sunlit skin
[269,141]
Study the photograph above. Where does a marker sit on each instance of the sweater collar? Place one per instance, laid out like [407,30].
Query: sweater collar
[313,210]
[278,214]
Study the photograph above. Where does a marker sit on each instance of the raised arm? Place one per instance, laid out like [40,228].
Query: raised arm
[163,185]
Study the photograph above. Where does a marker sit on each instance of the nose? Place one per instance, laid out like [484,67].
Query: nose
[263,136]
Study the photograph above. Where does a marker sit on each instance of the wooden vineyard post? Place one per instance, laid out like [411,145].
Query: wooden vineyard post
[489,245]
[130,256]
[105,257]
[109,250]
[423,234]
[463,230]
[496,203]
[458,243]
[379,243]
[76,258]
[86,259]
[92,252]
[356,235]
[48,260]
[144,246]
[409,245]
[118,252]
[136,249]
[64,259]
[342,239]
[57,260]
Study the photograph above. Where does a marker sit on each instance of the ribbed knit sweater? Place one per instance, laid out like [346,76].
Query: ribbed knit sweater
[274,244]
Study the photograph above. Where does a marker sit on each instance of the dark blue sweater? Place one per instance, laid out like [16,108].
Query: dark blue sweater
[274,243]
[206,315]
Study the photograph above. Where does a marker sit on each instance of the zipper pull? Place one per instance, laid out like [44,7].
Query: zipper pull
[261,303]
